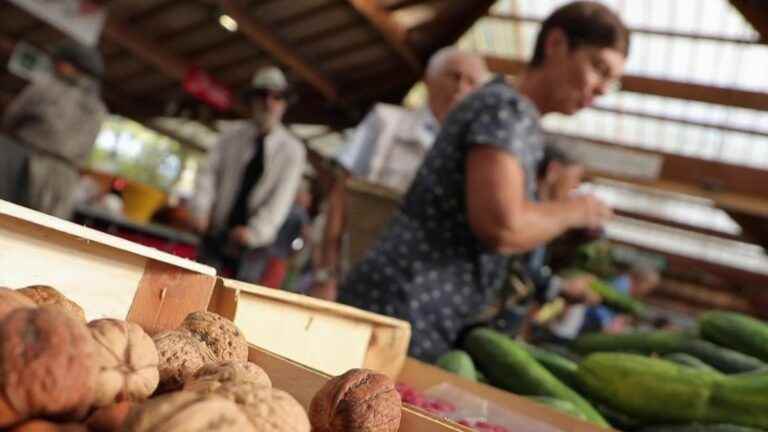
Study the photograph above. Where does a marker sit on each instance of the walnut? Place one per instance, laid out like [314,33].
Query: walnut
[127,360]
[220,334]
[47,364]
[274,410]
[45,295]
[44,426]
[180,355]
[10,300]
[359,400]
[110,418]
[188,412]
[242,393]
[239,371]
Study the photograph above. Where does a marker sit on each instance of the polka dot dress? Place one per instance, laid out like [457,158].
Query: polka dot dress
[427,267]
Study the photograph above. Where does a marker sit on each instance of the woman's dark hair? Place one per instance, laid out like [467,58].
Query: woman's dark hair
[585,23]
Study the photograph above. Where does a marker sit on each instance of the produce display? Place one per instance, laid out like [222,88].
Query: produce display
[58,373]
[712,378]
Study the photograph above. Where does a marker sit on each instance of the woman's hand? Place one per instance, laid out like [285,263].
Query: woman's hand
[589,212]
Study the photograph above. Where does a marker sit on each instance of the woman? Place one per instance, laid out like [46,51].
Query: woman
[443,257]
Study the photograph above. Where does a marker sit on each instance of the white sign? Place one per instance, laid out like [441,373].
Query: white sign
[81,19]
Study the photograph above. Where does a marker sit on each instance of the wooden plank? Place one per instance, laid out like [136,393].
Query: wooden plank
[661,87]
[736,276]
[709,177]
[263,37]
[171,65]
[390,30]
[527,414]
[675,224]
[324,335]
[167,294]
[683,121]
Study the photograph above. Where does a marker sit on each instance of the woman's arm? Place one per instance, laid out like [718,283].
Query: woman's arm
[502,217]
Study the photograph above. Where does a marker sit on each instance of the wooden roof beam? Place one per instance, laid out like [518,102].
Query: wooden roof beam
[263,37]
[679,225]
[757,15]
[168,63]
[395,34]
[661,87]
[709,176]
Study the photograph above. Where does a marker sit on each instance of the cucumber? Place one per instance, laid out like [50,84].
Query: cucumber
[458,362]
[736,331]
[695,427]
[689,360]
[509,366]
[564,369]
[659,391]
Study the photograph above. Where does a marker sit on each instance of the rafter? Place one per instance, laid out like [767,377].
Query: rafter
[706,175]
[264,37]
[395,34]
[680,120]
[757,15]
[661,87]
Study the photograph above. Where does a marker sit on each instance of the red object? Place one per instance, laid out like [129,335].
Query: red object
[274,273]
[199,84]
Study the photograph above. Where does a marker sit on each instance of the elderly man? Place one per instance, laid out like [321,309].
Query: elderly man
[246,189]
[388,146]
[56,121]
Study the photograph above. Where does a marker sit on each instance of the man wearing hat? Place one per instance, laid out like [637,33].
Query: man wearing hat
[56,121]
[245,190]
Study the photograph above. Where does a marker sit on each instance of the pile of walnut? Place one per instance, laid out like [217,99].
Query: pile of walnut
[59,374]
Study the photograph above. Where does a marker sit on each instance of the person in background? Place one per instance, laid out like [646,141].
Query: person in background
[389,145]
[245,190]
[472,205]
[638,282]
[559,175]
[57,120]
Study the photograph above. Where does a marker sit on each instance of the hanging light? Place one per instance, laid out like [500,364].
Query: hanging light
[228,23]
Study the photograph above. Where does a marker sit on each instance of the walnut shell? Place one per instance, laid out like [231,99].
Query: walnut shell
[359,400]
[127,360]
[44,426]
[47,364]
[230,370]
[188,412]
[11,300]
[242,393]
[180,355]
[274,410]
[110,418]
[46,295]
[220,334]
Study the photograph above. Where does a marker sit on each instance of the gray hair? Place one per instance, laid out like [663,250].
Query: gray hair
[439,59]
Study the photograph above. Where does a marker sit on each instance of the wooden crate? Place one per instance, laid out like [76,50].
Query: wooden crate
[108,276]
[112,277]
[326,336]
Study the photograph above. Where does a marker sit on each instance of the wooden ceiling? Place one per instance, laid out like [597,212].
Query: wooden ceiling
[343,55]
